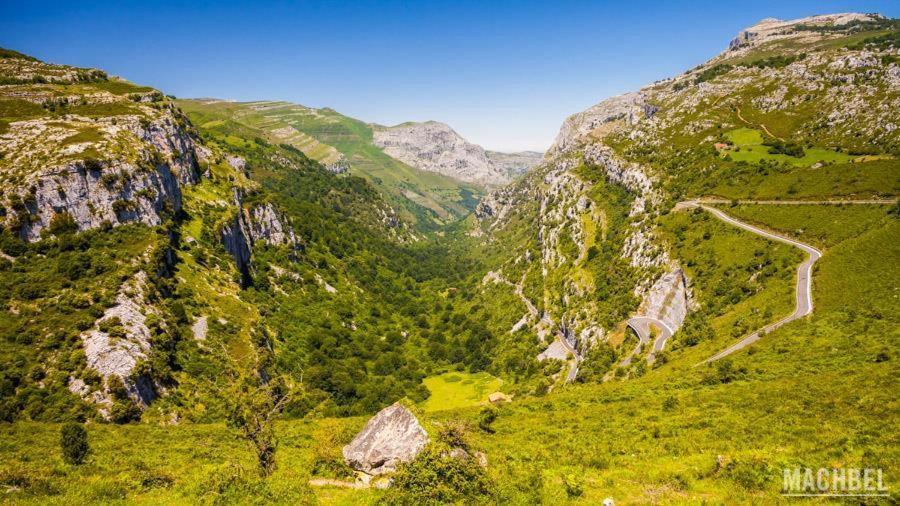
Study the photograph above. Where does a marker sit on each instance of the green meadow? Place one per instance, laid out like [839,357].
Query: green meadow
[749,147]
[454,390]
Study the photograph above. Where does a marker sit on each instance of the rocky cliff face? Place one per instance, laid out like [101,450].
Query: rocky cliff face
[436,147]
[629,108]
[250,226]
[514,164]
[772,29]
[120,167]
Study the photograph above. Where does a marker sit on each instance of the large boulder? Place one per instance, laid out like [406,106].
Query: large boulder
[390,437]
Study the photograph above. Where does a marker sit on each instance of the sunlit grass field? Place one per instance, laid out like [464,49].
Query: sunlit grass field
[459,390]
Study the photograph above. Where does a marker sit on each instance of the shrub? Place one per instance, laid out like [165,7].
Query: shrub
[574,484]
[670,403]
[62,223]
[454,433]
[486,418]
[73,443]
[435,477]
[750,474]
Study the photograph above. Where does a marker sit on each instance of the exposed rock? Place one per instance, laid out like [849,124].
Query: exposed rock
[556,350]
[200,328]
[268,226]
[236,162]
[131,170]
[117,356]
[258,224]
[436,147]
[339,166]
[390,437]
[498,397]
[514,164]
[667,299]
[770,29]
[629,108]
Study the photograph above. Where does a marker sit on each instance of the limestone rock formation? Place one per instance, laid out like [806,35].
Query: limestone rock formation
[256,224]
[435,147]
[392,436]
[770,29]
[514,164]
[630,108]
[113,354]
[122,167]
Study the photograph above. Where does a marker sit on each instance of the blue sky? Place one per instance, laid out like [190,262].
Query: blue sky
[504,74]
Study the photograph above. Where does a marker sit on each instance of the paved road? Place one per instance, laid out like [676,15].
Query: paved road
[641,326]
[576,357]
[803,298]
[789,202]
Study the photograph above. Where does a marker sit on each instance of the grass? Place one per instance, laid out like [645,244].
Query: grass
[851,180]
[453,390]
[749,147]
[425,198]
[810,394]
[822,226]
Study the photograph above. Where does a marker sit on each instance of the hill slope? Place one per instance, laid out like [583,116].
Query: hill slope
[436,147]
[422,198]
[306,275]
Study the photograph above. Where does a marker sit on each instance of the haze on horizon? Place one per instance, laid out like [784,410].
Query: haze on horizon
[502,74]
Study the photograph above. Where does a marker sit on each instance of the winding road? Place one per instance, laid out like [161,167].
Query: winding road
[804,302]
[545,318]
[641,326]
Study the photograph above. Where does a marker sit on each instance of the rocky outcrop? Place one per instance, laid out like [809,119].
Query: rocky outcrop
[268,226]
[94,182]
[771,29]
[252,225]
[630,108]
[236,239]
[435,147]
[389,438]
[667,300]
[121,339]
[84,193]
[340,166]
[514,164]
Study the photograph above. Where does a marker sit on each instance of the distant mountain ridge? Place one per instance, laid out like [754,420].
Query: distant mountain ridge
[435,147]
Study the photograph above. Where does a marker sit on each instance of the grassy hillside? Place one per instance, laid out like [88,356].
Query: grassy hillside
[815,393]
[424,198]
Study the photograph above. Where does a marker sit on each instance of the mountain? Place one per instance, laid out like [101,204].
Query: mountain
[514,164]
[146,258]
[692,292]
[435,147]
[424,199]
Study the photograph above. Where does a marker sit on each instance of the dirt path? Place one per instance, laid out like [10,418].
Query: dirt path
[760,125]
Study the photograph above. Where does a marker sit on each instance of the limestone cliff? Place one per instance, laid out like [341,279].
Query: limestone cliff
[435,147]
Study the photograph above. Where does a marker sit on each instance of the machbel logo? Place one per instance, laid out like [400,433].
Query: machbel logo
[825,482]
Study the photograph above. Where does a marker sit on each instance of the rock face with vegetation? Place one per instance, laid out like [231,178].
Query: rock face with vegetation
[435,147]
[101,151]
[344,145]
[389,438]
[256,282]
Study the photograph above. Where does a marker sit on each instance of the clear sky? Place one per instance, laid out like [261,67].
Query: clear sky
[504,74]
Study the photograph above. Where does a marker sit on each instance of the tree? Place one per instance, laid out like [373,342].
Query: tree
[254,401]
[73,443]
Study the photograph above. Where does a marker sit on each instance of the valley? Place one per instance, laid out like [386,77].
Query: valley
[693,289]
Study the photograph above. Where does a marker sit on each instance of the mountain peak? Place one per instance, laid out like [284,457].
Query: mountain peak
[770,29]
[435,147]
